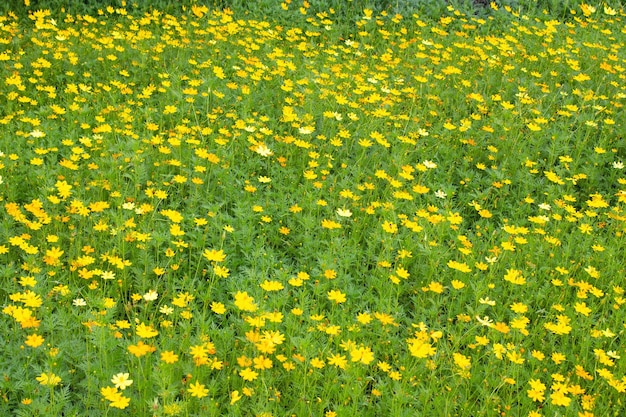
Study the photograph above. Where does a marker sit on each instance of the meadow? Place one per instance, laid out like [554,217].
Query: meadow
[214,213]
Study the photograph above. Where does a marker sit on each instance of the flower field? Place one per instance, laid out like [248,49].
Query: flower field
[212,213]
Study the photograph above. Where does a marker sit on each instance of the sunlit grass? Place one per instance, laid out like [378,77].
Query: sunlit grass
[213,214]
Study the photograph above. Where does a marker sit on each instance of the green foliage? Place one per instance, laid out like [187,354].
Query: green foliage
[346,11]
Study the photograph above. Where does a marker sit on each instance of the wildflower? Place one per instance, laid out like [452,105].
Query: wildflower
[218,308]
[49,379]
[329,274]
[395,375]
[248,374]
[151,295]
[197,390]
[117,400]
[537,355]
[34,340]
[344,212]
[457,285]
[559,397]
[121,381]
[421,349]
[169,357]
[263,150]
[336,296]
[140,349]
[580,371]
[234,397]
[385,319]
[262,362]
[390,227]
[108,275]
[435,287]
[485,321]
[145,332]
[330,224]
[459,266]
[169,109]
[165,309]
[221,271]
[582,308]
[338,360]
[362,354]
[561,327]
[587,9]
[317,363]
[214,255]
[514,276]
[364,318]
[536,391]
[268,285]
[487,301]
[429,164]
[244,302]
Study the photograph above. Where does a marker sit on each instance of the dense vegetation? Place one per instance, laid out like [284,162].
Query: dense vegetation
[312,208]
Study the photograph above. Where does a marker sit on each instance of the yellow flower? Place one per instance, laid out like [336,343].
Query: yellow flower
[121,381]
[582,308]
[234,397]
[561,326]
[536,391]
[268,285]
[221,271]
[362,354]
[462,361]
[338,360]
[421,349]
[533,127]
[244,302]
[214,255]
[559,398]
[34,340]
[459,266]
[248,374]
[514,276]
[330,224]
[317,363]
[145,332]
[49,379]
[364,318]
[140,349]
[169,109]
[169,357]
[328,274]
[263,150]
[262,362]
[336,296]
[457,285]
[197,390]
[344,212]
[218,308]
[390,227]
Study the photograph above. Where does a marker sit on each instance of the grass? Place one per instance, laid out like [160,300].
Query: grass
[212,212]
